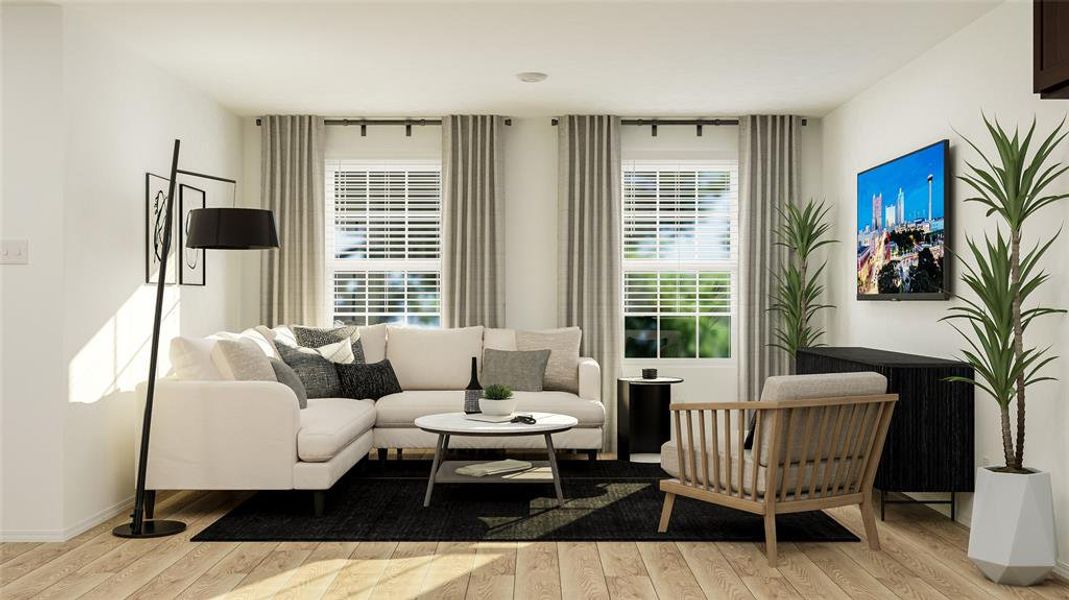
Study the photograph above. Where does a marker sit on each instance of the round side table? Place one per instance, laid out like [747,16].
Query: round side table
[643,422]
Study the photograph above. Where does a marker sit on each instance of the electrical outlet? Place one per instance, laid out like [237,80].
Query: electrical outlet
[14,252]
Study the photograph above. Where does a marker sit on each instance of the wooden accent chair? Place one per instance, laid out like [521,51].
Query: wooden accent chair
[817,443]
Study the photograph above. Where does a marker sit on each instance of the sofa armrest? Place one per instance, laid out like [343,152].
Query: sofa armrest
[227,435]
[589,379]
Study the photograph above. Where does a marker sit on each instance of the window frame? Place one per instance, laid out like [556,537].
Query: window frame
[334,265]
[730,266]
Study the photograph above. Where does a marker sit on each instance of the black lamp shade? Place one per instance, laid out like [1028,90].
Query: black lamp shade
[231,229]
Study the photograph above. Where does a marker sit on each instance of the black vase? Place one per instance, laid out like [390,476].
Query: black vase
[473,392]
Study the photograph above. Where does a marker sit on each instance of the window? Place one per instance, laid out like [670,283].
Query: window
[384,238]
[680,259]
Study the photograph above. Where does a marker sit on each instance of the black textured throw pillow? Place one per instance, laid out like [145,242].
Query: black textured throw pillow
[317,337]
[315,372]
[364,381]
[287,376]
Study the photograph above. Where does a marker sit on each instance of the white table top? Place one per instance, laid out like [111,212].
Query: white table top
[457,424]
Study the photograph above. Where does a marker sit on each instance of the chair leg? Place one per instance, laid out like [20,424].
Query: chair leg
[770,539]
[319,501]
[666,512]
[868,516]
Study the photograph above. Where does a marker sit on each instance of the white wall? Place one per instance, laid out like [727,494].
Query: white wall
[531,212]
[33,381]
[985,67]
[80,316]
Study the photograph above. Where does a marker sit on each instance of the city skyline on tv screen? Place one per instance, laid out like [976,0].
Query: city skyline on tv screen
[900,224]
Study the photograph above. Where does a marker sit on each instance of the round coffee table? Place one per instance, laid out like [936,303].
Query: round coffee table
[450,424]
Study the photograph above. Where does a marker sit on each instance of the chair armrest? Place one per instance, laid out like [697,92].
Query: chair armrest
[589,379]
[222,435]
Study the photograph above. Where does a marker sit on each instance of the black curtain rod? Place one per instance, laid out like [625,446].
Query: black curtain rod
[415,122]
[690,122]
[697,124]
[364,123]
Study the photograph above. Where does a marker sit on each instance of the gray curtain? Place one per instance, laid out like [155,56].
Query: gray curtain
[291,184]
[589,251]
[473,206]
[768,180]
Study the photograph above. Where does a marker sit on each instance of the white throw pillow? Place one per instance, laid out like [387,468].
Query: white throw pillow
[373,339]
[433,359]
[242,360]
[562,371]
[191,359]
[499,339]
[340,352]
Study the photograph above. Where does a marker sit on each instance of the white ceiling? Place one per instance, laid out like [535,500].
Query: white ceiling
[647,59]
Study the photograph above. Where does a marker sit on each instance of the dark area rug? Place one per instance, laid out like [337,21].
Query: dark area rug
[605,500]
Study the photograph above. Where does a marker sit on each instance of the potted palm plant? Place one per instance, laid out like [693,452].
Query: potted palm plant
[797,294]
[1012,533]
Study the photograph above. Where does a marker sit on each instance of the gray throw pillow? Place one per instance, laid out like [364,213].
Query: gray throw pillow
[367,381]
[317,337]
[288,377]
[315,372]
[521,370]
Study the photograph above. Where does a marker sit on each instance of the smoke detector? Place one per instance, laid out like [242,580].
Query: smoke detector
[531,76]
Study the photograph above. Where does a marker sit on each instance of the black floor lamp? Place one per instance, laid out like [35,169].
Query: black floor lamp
[210,229]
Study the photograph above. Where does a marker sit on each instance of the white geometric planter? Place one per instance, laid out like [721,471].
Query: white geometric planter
[1011,537]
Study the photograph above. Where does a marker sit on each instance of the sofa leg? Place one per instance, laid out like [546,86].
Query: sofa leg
[319,501]
[592,455]
[382,455]
[400,453]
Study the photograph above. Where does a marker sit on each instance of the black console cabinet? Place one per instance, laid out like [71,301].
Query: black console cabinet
[929,445]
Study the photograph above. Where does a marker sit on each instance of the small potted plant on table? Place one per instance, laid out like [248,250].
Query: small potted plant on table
[497,401]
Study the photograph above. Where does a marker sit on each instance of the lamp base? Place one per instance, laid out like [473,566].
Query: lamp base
[150,528]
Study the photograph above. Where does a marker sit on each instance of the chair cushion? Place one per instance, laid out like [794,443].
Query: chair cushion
[785,388]
[329,424]
[670,463]
[433,359]
[401,410]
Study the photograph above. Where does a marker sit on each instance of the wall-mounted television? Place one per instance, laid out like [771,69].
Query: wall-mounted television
[903,227]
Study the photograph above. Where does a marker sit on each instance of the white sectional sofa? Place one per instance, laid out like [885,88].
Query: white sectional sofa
[212,433]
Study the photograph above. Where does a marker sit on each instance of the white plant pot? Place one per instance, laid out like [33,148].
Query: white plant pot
[1011,539]
[497,408]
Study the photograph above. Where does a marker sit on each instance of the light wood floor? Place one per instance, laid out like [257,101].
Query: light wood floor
[923,556]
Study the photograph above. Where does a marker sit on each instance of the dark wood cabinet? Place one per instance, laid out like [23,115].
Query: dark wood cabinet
[1050,39]
[929,444]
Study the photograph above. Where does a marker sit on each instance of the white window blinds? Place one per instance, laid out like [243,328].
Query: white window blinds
[680,258]
[384,241]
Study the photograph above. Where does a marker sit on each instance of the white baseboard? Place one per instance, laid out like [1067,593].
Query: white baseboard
[62,535]
[1061,571]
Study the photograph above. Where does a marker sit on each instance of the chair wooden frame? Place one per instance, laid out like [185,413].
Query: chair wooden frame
[850,451]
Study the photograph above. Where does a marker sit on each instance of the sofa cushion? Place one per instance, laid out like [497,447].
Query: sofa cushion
[329,424]
[433,359]
[289,378]
[373,340]
[519,370]
[367,382]
[317,373]
[562,370]
[242,360]
[191,359]
[401,410]
[499,339]
[316,337]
